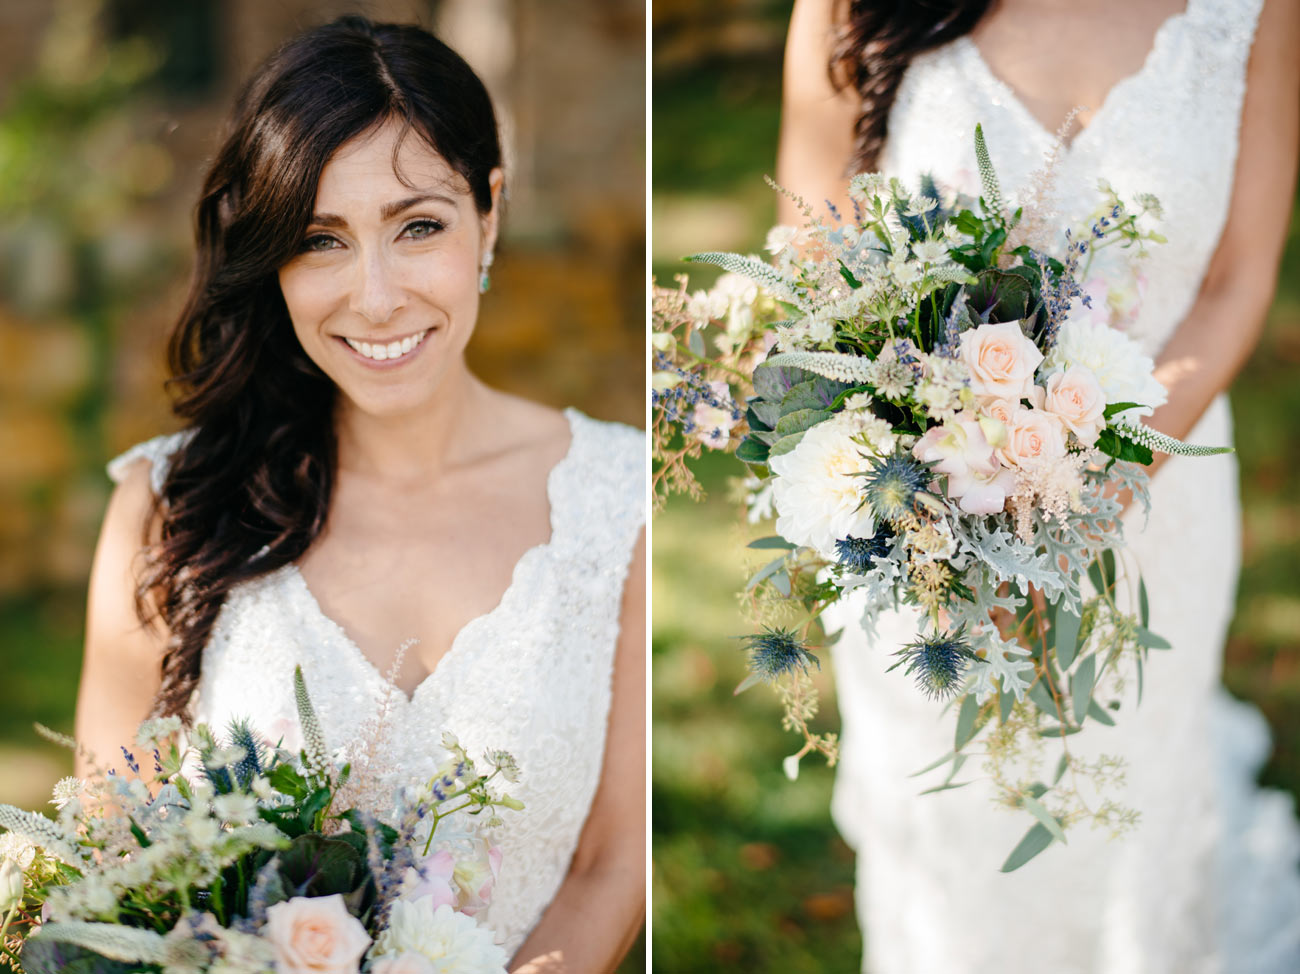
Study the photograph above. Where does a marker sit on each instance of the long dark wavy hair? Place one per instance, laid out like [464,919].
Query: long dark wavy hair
[876,42]
[250,489]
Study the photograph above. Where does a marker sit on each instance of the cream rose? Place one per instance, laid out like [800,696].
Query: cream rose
[315,935]
[1075,397]
[1001,360]
[1033,435]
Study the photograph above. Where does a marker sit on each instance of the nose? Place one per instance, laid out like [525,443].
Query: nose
[376,294]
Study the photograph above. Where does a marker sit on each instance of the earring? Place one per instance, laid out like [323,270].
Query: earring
[484,280]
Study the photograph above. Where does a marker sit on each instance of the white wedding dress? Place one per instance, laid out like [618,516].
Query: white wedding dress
[531,677]
[1208,881]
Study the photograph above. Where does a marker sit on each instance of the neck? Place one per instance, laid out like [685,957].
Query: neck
[417,444]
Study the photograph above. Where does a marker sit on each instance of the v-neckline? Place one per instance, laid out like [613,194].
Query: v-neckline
[1158,41]
[313,608]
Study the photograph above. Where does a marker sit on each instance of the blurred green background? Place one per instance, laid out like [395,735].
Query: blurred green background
[749,871]
[109,110]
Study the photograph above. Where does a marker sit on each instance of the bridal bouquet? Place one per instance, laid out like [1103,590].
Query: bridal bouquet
[258,860]
[936,414]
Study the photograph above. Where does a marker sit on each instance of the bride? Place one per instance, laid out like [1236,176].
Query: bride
[344,484]
[1198,102]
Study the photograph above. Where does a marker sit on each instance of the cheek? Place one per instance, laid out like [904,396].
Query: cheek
[308,297]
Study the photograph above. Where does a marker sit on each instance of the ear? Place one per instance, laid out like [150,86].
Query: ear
[492,219]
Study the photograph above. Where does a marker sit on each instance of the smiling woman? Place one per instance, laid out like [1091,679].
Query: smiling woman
[350,498]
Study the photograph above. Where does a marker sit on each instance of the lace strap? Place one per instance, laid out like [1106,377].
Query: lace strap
[600,496]
[158,451]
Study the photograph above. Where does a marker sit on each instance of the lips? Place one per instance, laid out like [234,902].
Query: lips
[394,350]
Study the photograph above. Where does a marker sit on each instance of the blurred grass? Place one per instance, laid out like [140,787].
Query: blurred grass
[749,872]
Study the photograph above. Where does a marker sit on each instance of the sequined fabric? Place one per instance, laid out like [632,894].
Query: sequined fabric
[1208,881]
[531,677]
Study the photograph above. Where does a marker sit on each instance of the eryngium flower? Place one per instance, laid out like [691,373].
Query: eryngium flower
[774,653]
[938,663]
[891,483]
[859,554]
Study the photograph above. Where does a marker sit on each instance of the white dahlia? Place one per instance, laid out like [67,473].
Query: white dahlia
[451,942]
[818,499]
[1122,369]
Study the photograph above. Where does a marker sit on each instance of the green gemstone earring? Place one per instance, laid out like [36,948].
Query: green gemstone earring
[484,280]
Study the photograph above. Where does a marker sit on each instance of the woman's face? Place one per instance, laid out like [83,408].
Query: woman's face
[384,292]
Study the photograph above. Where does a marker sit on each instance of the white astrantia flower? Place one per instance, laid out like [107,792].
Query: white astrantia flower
[1122,369]
[452,942]
[67,790]
[780,237]
[818,498]
[930,251]
[17,848]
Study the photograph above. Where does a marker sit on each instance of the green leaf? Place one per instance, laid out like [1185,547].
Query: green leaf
[772,541]
[946,786]
[763,415]
[1059,730]
[1120,447]
[934,764]
[1144,609]
[781,580]
[966,721]
[998,295]
[800,420]
[45,956]
[1119,407]
[1081,686]
[1035,841]
[1066,624]
[752,450]
[287,781]
[815,393]
[1061,767]
[848,276]
[767,571]
[1150,640]
[1040,812]
[1098,713]
[1042,699]
[785,444]
[696,343]
[314,865]
[1006,701]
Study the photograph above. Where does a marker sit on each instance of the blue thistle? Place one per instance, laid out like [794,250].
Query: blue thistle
[241,734]
[892,484]
[939,663]
[859,554]
[774,653]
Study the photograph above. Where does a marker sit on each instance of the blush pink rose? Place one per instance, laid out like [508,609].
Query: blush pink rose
[476,878]
[1033,436]
[315,935]
[1075,398]
[1001,360]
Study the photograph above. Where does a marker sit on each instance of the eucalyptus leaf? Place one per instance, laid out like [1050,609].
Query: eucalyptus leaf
[1067,635]
[966,721]
[781,580]
[1061,767]
[1150,640]
[1035,808]
[767,571]
[47,956]
[934,764]
[772,541]
[947,786]
[1098,713]
[1035,841]
[1144,609]
[1081,686]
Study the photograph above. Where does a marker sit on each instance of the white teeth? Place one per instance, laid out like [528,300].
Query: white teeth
[381,353]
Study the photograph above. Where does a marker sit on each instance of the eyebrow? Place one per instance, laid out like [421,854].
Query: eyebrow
[387,211]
